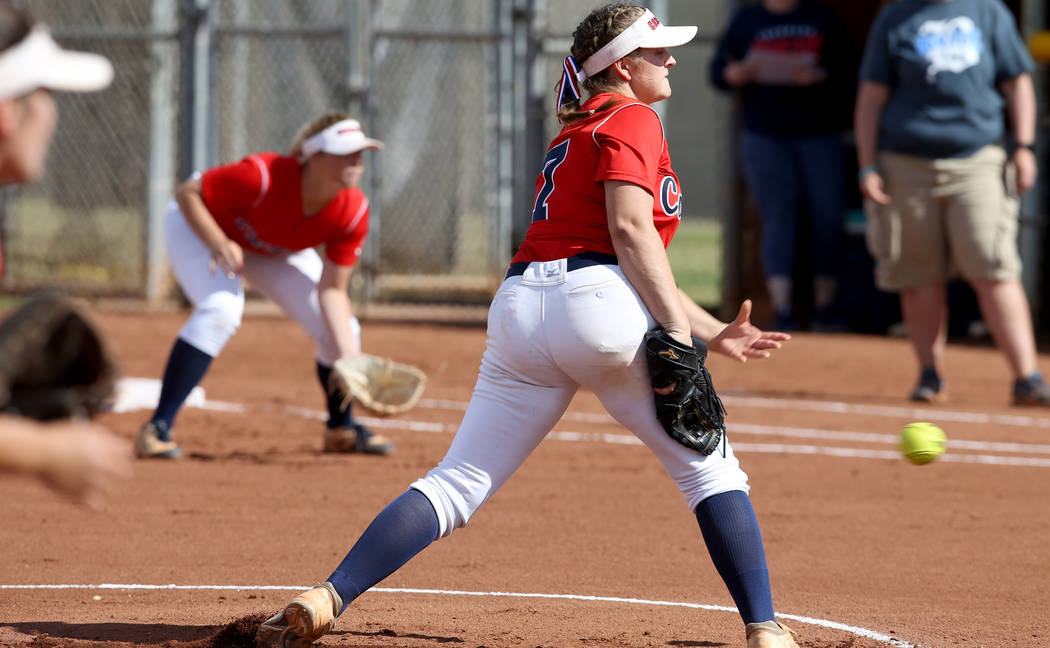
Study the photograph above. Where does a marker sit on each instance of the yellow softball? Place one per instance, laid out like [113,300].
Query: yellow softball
[921,443]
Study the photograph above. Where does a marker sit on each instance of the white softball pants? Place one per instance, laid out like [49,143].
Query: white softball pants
[550,331]
[290,281]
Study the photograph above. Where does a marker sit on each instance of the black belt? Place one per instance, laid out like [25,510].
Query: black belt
[582,260]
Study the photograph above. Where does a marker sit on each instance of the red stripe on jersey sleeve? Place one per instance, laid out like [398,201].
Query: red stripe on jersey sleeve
[345,249]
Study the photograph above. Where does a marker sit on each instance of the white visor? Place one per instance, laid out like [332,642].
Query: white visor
[341,138]
[38,62]
[647,32]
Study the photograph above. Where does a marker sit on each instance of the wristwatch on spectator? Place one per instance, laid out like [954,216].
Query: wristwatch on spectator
[1030,146]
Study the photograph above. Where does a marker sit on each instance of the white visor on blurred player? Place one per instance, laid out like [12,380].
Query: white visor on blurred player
[341,138]
[38,62]
[646,32]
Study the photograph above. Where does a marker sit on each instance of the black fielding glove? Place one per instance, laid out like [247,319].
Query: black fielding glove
[692,414]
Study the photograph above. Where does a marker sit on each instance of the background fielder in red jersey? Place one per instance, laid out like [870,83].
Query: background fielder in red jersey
[590,280]
[260,219]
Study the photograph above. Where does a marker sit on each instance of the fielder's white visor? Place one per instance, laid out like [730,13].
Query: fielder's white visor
[341,138]
[646,32]
[38,62]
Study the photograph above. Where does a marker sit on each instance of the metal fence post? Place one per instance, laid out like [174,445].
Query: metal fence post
[366,66]
[529,140]
[191,15]
[161,145]
[357,44]
[195,45]
[358,75]
[507,25]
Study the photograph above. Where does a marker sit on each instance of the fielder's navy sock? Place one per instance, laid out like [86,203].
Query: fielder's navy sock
[730,530]
[337,416]
[404,528]
[186,366]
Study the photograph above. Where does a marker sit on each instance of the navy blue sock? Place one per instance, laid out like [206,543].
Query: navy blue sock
[404,528]
[730,530]
[337,416]
[186,366]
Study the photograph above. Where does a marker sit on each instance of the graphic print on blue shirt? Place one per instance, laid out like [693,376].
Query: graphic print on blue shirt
[949,45]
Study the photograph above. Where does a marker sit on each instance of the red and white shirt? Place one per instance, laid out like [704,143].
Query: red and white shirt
[626,143]
[258,203]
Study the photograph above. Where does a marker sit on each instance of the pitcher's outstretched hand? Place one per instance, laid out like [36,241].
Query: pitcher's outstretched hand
[741,339]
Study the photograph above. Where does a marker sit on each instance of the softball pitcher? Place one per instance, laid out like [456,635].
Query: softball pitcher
[259,219]
[590,280]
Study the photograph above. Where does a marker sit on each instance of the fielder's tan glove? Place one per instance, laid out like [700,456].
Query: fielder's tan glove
[377,384]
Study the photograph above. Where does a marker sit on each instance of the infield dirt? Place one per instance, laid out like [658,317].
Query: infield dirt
[947,554]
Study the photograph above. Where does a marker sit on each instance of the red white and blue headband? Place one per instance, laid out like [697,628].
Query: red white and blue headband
[647,32]
[38,62]
[341,138]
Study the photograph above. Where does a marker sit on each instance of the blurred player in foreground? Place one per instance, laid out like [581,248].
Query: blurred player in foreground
[260,219]
[590,280]
[77,458]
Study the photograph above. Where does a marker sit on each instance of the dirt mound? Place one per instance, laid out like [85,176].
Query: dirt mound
[239,633]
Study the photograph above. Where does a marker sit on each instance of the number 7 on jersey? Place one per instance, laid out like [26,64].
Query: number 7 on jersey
[554,158]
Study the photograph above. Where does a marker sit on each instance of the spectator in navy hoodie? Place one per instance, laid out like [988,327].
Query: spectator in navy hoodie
[792,63]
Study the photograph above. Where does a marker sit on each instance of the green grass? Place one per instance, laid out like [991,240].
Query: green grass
[696,260]
[50,243]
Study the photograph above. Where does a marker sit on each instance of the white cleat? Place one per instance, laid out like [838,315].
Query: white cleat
[770,634]
[305,619]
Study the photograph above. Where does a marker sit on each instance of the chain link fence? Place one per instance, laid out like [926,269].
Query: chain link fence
[459,90]
[435,101]
[83,225]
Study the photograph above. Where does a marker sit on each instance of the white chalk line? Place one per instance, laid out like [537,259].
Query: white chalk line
[734,429]
[824,623]
[907,413]
[910,414]
[749,428]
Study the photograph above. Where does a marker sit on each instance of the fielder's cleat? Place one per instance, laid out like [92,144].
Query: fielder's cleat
[305,619]
[1032,390]
[770,634]
[356,438]
[931,388]
[149,445]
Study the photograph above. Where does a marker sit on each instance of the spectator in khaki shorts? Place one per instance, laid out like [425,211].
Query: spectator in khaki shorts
[941,191]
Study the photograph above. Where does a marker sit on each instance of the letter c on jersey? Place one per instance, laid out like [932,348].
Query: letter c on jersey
[670,197]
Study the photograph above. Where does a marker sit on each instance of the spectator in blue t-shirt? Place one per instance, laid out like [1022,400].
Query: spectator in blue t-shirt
[793,66]
[941,191]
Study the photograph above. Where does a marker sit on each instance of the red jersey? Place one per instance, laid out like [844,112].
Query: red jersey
[626,143]
[258,203]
